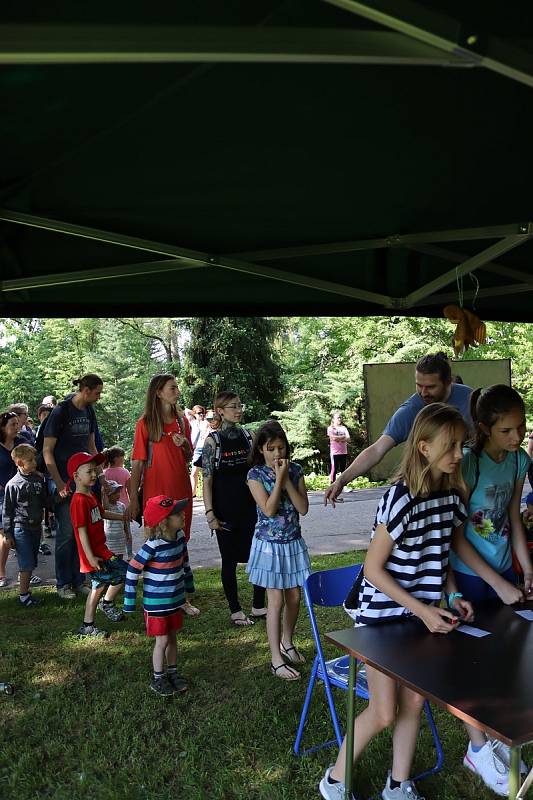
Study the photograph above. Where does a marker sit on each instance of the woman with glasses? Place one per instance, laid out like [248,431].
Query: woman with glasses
[199,430]
[9,438]
[229,506]
[161,454]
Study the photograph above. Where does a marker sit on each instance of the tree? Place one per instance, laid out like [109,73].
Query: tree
[234,353]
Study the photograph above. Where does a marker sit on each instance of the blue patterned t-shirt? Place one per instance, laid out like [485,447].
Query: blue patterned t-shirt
[285,525]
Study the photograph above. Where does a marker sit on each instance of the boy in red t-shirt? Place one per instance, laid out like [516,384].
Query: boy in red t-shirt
[103,566]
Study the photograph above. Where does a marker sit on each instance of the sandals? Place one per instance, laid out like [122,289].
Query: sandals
[190,610]
[257,616]
[292,676]
[296,658]
[241,622]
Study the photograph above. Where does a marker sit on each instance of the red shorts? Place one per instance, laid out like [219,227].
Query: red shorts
[160,626]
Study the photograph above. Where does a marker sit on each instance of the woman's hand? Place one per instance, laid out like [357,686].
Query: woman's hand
[464,609]
[437,620]
[332,492]
[134,506]
[508,593]
[528,583]
[217,524]
[179,439]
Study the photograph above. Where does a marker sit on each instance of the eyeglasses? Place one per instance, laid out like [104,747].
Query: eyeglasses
[237,407]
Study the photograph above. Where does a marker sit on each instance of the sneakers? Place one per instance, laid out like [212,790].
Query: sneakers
[332,791]
[405,791]
[91,631]
[44,550]
[504,752]
[111,611]
[177,682]
[81,589]
[65,592]
[490,766]
[47,532]
[29,601]
[162,686]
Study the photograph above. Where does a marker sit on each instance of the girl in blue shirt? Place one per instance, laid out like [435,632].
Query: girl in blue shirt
[278,557]
[494,468]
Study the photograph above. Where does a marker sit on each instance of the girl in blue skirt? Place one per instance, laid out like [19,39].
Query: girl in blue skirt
[278,557]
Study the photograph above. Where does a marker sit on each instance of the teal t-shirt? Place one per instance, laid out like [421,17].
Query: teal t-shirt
[487,527]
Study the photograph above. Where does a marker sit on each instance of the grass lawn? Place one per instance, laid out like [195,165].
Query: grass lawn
[83,723]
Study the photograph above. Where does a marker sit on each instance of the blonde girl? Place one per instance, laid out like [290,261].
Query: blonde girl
[404,574]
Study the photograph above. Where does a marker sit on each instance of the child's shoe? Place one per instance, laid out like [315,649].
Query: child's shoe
[162,686]
[177,682]
[504,752]
[405,791]
[332,791]
[111,611]
[92,632]
[28,601]
[490,767]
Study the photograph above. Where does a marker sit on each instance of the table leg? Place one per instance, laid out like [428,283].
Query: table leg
[514,772]
[348,774]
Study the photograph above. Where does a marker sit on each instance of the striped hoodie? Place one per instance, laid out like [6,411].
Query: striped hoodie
[166,573]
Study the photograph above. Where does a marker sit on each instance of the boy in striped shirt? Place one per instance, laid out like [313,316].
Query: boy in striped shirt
[164,562]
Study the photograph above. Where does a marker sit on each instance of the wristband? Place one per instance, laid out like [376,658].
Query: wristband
[453,596]
[208,511]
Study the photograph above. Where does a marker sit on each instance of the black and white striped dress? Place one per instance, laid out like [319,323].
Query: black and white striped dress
[421,528]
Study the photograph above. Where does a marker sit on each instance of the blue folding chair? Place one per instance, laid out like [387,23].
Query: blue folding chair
[327,589]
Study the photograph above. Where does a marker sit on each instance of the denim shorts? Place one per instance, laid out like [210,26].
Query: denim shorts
[27,546]
[112,573]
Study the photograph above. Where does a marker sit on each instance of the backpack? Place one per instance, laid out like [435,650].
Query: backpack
[39,442]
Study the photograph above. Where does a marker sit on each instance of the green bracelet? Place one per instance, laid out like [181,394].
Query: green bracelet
[453,596]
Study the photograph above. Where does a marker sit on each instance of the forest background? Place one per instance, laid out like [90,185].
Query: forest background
[296,368]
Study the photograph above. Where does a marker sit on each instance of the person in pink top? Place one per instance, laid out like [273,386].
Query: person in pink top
[116,471]
[338,445]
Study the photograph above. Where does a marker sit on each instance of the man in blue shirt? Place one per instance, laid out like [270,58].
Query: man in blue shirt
[433,380]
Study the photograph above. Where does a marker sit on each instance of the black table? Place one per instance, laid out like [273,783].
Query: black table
[487,682]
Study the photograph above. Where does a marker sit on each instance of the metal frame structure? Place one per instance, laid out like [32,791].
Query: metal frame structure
[180,258]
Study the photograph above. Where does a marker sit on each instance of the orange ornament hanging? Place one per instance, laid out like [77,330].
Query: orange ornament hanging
[470,330]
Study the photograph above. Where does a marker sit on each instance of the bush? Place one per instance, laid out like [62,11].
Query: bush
[315,482]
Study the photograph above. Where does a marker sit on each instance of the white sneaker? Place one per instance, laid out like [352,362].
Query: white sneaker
[490,767]
[405,791]
[332,791]
[66,593]
[504,752]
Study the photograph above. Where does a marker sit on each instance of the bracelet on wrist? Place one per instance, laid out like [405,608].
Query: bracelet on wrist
[208,511]
[452,597]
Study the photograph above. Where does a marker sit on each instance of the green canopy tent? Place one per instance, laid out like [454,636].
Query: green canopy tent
[302,156]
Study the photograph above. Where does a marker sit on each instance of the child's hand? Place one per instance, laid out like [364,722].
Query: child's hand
[95,562]
[281,468]
[464,609]
[508,593]
[438,620]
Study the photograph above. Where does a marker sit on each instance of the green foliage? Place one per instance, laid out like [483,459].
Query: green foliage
[233,353]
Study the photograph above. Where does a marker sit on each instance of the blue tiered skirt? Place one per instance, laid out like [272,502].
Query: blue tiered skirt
[278,565]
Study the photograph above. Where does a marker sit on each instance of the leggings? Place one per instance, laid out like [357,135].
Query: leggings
[338,465]
[235,549]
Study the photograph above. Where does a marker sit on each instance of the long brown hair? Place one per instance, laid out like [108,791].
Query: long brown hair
[415,469]
[487,406]
[153,410]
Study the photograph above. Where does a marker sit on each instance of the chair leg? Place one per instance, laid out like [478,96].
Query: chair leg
[437,743]
[305,710]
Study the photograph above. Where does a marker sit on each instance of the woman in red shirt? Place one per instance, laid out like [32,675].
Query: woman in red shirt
[162,451]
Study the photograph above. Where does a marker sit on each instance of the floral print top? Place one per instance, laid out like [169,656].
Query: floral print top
[285,525]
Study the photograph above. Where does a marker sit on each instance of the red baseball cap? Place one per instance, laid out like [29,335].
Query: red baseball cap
[160,507]
[78,459]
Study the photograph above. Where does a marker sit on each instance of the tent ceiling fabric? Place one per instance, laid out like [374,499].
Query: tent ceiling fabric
[281,156]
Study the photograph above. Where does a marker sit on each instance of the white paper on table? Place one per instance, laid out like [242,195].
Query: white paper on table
[525,615]
[471,631]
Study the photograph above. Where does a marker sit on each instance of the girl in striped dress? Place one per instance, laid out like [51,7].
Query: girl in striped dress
[278,557]
[404,574]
